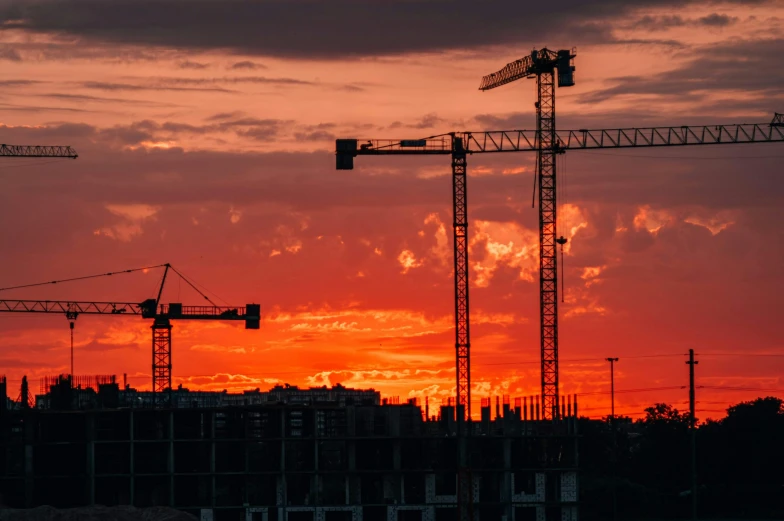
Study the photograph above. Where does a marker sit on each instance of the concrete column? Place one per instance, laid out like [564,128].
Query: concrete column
[29,479]
[90,452]
[132,456]
[213,492]
[282,493]
[506,481]
[397,474]
[170,463]
[315,481]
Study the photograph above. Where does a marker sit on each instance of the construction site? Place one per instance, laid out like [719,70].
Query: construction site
[329,454]
[295,454]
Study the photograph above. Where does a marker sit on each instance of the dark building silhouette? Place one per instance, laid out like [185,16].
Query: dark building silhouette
[338,455]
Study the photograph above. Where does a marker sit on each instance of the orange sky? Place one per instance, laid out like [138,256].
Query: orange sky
[215,153]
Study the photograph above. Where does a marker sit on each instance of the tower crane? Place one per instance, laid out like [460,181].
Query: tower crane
[460,144]
[161,315]
[543,65]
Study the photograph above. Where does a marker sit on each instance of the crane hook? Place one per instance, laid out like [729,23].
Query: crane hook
[562,240]
[71,316]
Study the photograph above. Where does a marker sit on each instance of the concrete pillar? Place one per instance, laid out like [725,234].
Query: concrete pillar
[315,481]
[132,456]
[29,474]
[90,453]
[506,481]
[282,496]
[170,465]
[393,420]
[213,492]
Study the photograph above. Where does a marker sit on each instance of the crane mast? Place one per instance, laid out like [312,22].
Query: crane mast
[462,320]
[161,346]
[543,65]
[462,325]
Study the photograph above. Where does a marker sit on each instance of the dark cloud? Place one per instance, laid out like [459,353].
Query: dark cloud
[78,98]
[248,65]
[10,54]
[170,130]
[352,87]
[319,132]
[717,20]
[187,64]
[661,23]
[427,121]
[224,115]
[317,29]
[320,126]
[318,135]
[34,108]
[657,23]
[512,120]
[70,48]
[100,85]
[734,66]
[173,81]
[19,83]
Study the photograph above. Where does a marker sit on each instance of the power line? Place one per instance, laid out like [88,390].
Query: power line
[742,354]
[730,388]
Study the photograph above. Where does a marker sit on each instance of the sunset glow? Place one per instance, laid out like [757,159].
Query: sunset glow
[217,156]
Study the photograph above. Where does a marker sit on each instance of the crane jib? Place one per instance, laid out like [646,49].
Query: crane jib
[250,314]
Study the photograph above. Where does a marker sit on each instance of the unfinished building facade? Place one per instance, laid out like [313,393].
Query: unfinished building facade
[291,462]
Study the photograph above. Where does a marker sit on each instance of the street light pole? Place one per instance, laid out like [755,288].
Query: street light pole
[693,435]
[614,437]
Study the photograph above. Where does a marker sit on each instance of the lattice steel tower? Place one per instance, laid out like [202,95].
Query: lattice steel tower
[544,64]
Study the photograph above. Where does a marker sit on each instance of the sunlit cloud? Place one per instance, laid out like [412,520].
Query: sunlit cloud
[651,220]
[234,215]
[591,274]
[440,250]
[504,244]
[132,217]
[715,224]
[408,260]
[218,348]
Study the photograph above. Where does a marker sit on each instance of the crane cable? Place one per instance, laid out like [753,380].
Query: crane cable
[85,277]
[192,285]
[81,278]
[562,240]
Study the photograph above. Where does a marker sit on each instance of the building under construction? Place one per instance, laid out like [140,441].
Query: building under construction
[316,454]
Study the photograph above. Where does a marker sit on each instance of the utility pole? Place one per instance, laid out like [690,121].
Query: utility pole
[614,437]
[693,433]
[612,388]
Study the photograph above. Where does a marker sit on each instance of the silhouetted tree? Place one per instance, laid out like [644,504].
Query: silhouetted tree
[740,458]
[665,414]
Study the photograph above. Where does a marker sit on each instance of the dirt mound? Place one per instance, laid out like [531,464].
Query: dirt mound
[97,513]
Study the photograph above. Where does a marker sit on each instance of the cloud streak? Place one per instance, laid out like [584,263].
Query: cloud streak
[338,29]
